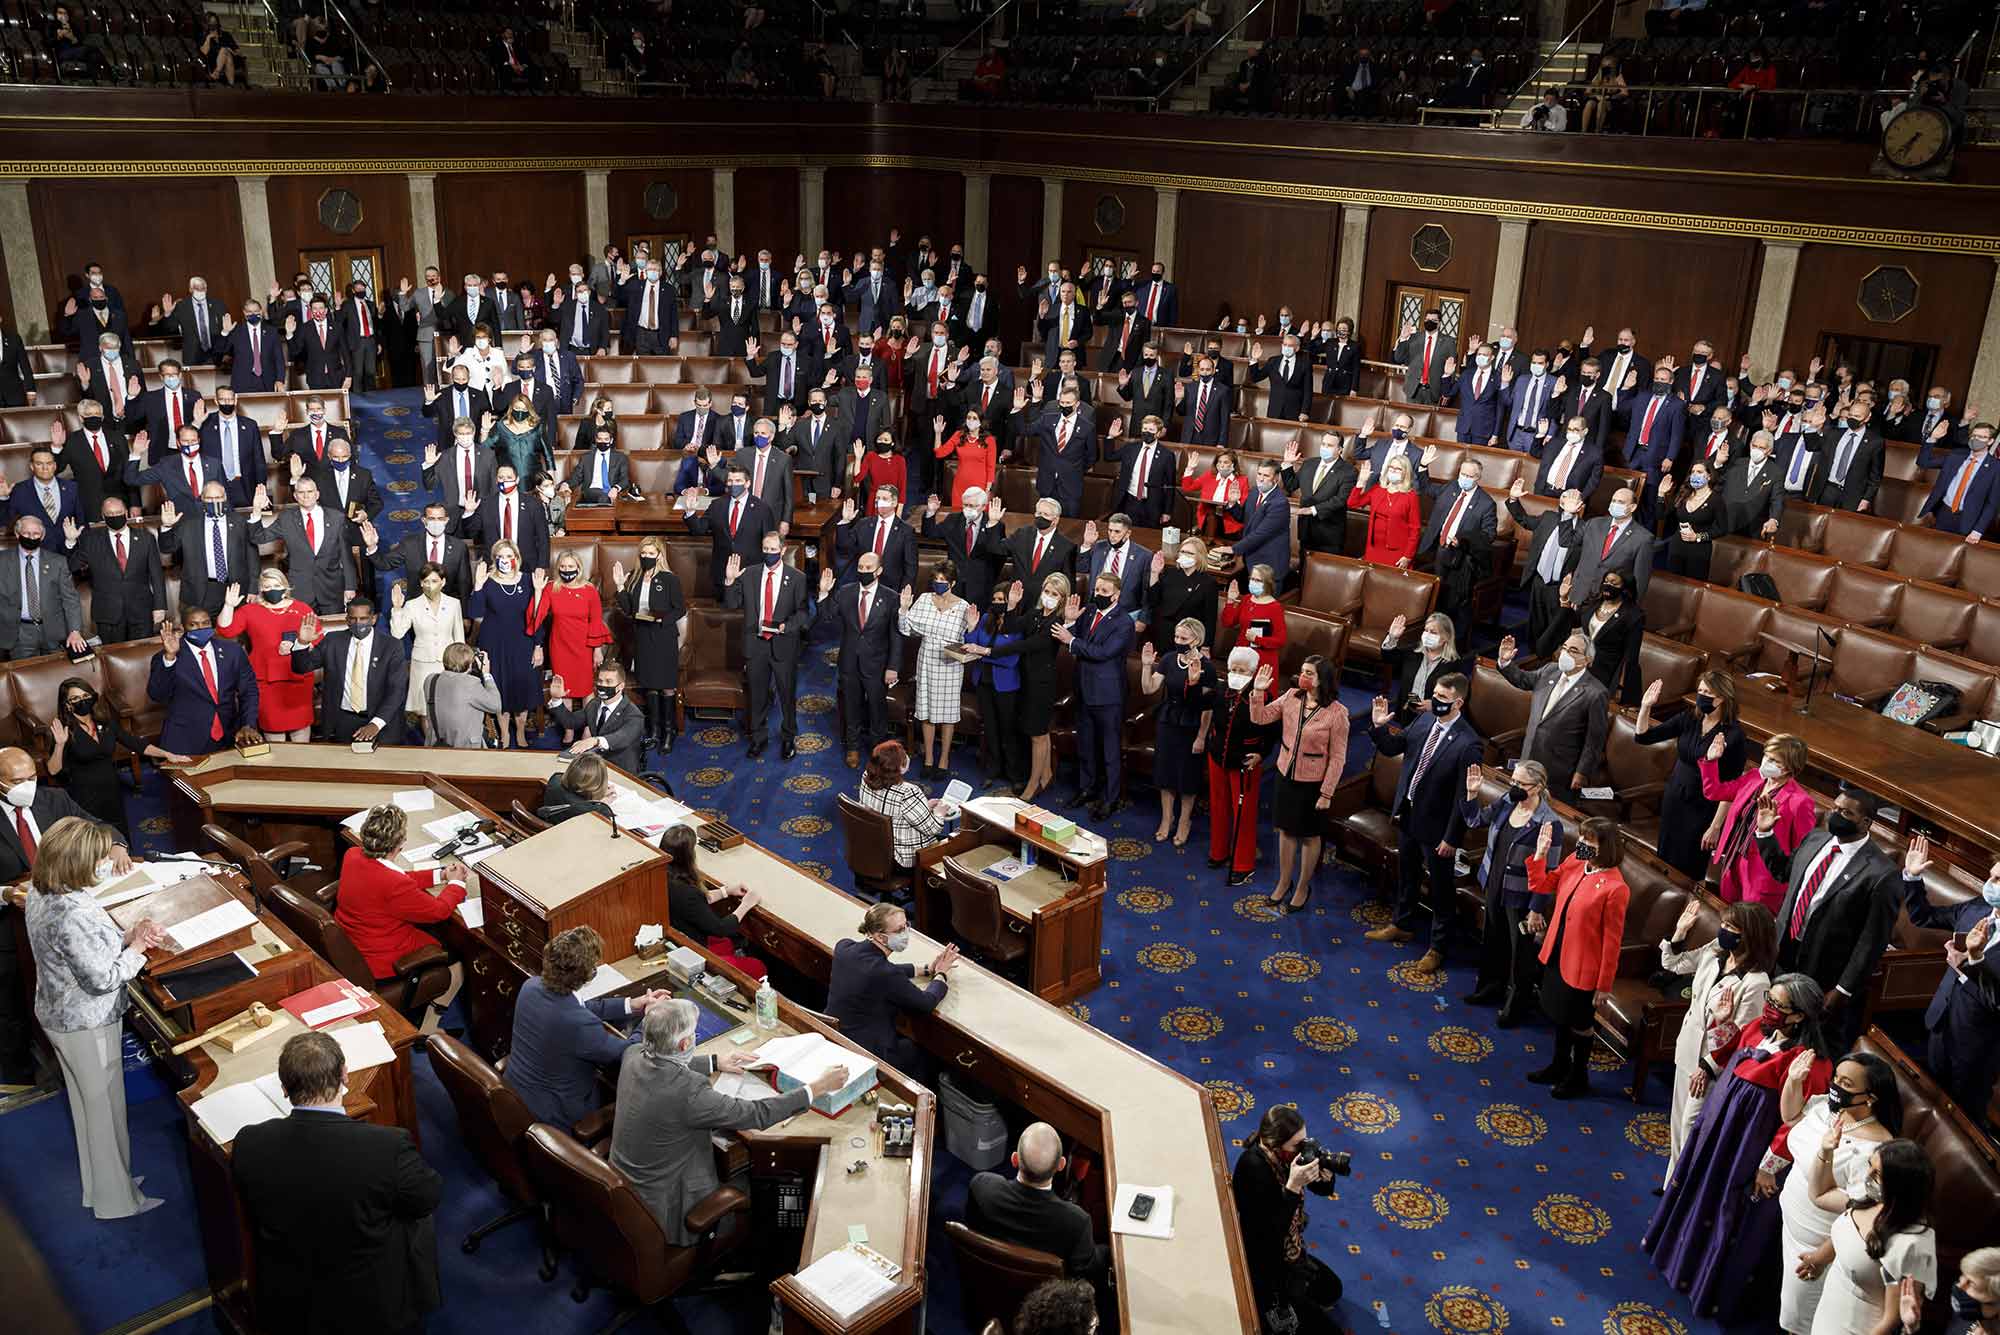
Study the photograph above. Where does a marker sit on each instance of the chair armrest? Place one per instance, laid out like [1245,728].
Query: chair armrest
[291,848]
[1512,737]
[1876,623]
[31,726]
[595,1126]
[1951,644]
[420,959]
[1675,631]
[713,1208]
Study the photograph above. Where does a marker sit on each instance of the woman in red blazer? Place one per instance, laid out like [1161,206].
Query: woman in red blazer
[1578,913]
[1311,754]
[1395,513]
[381,905]
[977,454]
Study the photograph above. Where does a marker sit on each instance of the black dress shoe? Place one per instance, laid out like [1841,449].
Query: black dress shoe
[667,742]
[1486,996]
[1511,1017]
[756,750]
[1554,1073]
[1576,1087]
[1114,807]
[1099,811]
[790,749]
[1217,864]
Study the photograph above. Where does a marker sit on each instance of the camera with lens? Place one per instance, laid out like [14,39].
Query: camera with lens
[1334,1164]
[1541,112]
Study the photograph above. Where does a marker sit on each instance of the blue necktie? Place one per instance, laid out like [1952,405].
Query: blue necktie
[218,556]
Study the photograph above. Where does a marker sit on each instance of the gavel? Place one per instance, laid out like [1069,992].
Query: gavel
[259,1016]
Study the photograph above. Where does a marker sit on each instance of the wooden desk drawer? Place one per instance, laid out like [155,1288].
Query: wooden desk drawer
[780,944]
[514,919]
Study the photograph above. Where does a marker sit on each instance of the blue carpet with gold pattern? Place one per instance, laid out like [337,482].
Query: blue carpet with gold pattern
[1477,1204]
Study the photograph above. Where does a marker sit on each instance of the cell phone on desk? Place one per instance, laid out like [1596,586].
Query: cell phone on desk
[1142,1206]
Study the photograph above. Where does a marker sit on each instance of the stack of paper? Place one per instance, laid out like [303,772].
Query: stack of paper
[472,912]
[226,917]
[444,827]
[414,799]
[845,1282]
[363,1045]
[605,980]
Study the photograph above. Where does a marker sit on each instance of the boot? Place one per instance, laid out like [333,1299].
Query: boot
[666,699]
[1576,1084]
[1514,1012]
[1557,1071]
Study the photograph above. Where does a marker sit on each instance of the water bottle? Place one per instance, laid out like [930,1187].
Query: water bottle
[767,1005]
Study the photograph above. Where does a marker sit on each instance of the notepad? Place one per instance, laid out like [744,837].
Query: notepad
[363,1045]
[226,917]
[605,980]
[472,912]
[731,1084]
[845,1281]
[226,1111]
[413,799]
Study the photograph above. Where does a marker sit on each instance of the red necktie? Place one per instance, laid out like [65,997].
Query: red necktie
[985,400]
[936,357]
[881,535]
[1041,549]
[1095,622]
[1201,408]
[735,515]
[322,335]
[174,412]
[1451,520]
[437,551]
[1124,335]
[1610,537]
[118,549]
[319,442]
[194,480]
[362,306]
[1694,384]
[214,694]
[867,601]
[970,534]
[312,535]
[770,599]
[1478,384]
[1145,467]
[22,828]
[757,483]
[1153,303]
[1062,435]
[97,449]
[465,487]
[1811,888]
[1652,411]
[1430,342]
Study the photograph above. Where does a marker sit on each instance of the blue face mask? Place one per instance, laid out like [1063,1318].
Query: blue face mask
[1467,483]
[763,439]
[1398,433]
[736,489]
[772,558]
[1697,482]
[200,636]
[338,465]
[215,509]
[1990,892]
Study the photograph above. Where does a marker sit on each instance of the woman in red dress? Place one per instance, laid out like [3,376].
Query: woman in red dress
[976,452]
[1395,515]
[574,615]
[881,465]
[1259,620]
[271,624]
[1221,490]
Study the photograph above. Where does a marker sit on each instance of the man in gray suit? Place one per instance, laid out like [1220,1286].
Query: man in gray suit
[667,1110]
[770,471]
[1568,717]
[1617,541]
[39,610]
[317,540]
[433,307]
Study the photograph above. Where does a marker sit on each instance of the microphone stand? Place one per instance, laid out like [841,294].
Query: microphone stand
[1812,670]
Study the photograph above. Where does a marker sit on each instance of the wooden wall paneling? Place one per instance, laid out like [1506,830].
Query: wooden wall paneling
[1080,232]
[1952,293]
[1013,239]
[1475,241]
[693,213]
[1670,287]
[189,225]
[1255,255]
[863,203]
[526,223]
[385,223]
[767,211]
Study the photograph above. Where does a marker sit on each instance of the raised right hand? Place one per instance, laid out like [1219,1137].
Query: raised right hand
[1918,859]
[1652,695]
[1473,777]
[1718,746]
[1506,652]
[1397,625]
[1378,710]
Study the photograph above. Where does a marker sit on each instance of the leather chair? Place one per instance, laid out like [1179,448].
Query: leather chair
[1900,501]
[1308,633]
[1899,460]
[626,400]
[1358,818]
[1983,644]
[1639,1022]
[1926,554]
[1731,558]
[713,675]
[1803,580]
[1857,539]
[1978,686]
[1934,615]
[1268,435]
[1676,666]
[1869,667]
[491,1121]
[1499,710]
[996,1277]
[654,473]
[1672,604]
[1731,626]
[658,370]
[529,822]
[1638,777]
[1331,585]
[601,1220]
[36,682]
[1979,570]
[604,370]
[1863,597]
[1138,739]
[583,548]
[262,867]
[421,976]
[900,701]
[713,371]
[977,918]
[674,399]
[1388,593]
[870,844]
[1498,469]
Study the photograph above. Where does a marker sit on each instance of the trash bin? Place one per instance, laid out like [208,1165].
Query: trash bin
[974,1132]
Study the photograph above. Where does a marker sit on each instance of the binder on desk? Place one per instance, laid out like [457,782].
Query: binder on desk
[317,1007]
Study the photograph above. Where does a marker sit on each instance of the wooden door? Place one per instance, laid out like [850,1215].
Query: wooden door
[1408,303]
[332,271]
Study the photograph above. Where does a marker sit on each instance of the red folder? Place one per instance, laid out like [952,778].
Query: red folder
[313,998]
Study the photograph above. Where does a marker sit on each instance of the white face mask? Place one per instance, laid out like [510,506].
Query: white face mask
[1187,563]
[1772,771]
[1238,680]
[434,527]
[1574,437]
[1049,601]
[103,871]
[21,794]
[1567,661]
[1256,588]
[481,344]
[1618,509]
[1432,639]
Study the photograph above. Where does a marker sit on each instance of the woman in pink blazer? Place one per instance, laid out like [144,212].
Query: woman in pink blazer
[1732,835]
[1312,752]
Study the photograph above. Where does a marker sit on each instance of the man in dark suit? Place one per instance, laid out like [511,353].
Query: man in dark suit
[882,532]
[317,344]
[1701,385]
[17,374]
[432,543]
[1039,550]
[1842,897]
[701,424]
[1717,433]
[1480,399]
[789,376]
[1575,462]
[46,497]
[1458,539]
[817,444]
[769,470]
[1159,300]
[199,323]
[871,651]
[580,321]
[347,486]
[235,441]
[610,723]
[1553,551]
[1967,491]
[213,544]
[1340,352]
[366,679]
[863,408]
[557,374]
[1568,716]
[735,318]
[1099,636]
[111,376]
[1062,322]
[1752,501]
[1528,407]
[1318,488]
[929,379]
[735,525]
[1615,541]
[1423,352]
[1850,464]
[972,536]
[772,598]
[1148,471]
[1266,538]
[1653,440]
[1119,558]
[462,470]
[1148,387]
[599,472]
[308,442]
[1067,446]
[94,456]
[360,322]
[1026,1211]
[205,683]
[1129,332]
[164,409]
[563,1044]
[1436,751]
[652,314]
[508,514]
[470,308]
[457,401]
[1625,373]
[866,989]
[825,338]
[1205,405]
[1472,88]
[1290,374]
[342,1208]
[128,590]
[880,297]
[256,352]
[1962,1016]
[316,547]
[979,319]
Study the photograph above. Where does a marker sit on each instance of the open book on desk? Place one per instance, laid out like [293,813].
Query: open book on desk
[800,1059]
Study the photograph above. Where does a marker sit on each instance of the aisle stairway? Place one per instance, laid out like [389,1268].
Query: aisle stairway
[1572,64]
[584,50]
[272,62]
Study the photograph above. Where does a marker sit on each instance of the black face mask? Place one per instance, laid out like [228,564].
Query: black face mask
[1586,853]
[114,522]
[29,544]
[868,578]
[1839,1099]
[1965,1306]
[1842,826]
[1610,592]
[79,705]
[1440,708]
[1044,523]
[226,409]
[816,409]
[606,692]
[1516,793]
[1704,704]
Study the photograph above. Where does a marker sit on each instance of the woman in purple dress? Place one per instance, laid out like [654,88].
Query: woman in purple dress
[500,601]
[1720,1214]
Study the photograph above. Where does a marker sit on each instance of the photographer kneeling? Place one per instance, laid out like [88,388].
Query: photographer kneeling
[1295,1291]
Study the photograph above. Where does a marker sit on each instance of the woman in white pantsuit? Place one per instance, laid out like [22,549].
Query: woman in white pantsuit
[439,623]
[82,963]
[1731,975]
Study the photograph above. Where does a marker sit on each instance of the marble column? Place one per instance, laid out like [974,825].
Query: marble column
[24,269]
[725,208]
[1985,387]
[812,209]
[1504,306]
[260,264]
[424,223]
[1166,224]
[1352,263]
[1774,306]
[1052,209]
[596,210]
[978,218]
